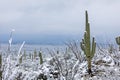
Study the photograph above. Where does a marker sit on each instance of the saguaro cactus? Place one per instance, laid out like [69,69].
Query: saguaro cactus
[40,56]
[0,67]
[24,55]
[32,57]
[118,41]
[86,46]
[0,60]
[20,59]
[35,53]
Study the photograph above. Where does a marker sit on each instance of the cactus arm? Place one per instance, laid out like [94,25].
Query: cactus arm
[93,47]
[83,48]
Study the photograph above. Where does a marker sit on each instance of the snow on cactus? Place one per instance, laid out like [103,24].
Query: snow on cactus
[86,46]
[10,40]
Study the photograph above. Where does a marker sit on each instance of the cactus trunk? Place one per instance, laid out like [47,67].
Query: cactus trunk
[89,66]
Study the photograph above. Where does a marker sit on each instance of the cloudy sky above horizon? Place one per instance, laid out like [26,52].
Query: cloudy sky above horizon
[62,17]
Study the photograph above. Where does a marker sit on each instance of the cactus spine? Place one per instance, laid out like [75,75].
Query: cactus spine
[86,46]
[40,56]
[118,41]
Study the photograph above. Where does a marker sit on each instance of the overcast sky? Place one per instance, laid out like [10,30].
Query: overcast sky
[62,17]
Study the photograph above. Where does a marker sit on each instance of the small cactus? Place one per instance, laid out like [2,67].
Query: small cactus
[40,56]
[118,41]
[24,54]
[20,59]
[0,67]
[35,53]
[30,55]
[86,46]
[0,60]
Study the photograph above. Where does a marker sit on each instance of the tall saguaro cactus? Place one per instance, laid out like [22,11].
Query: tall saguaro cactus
[86,46]
[118,41]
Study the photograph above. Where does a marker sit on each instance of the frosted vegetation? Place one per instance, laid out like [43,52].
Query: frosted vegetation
[75,61]
[68,64]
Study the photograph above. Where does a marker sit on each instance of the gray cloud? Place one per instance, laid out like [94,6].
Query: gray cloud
[59,16]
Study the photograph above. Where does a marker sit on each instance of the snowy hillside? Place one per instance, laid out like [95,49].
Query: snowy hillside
[60,65]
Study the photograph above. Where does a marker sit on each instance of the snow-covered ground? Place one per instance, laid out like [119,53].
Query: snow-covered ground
[59,64]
